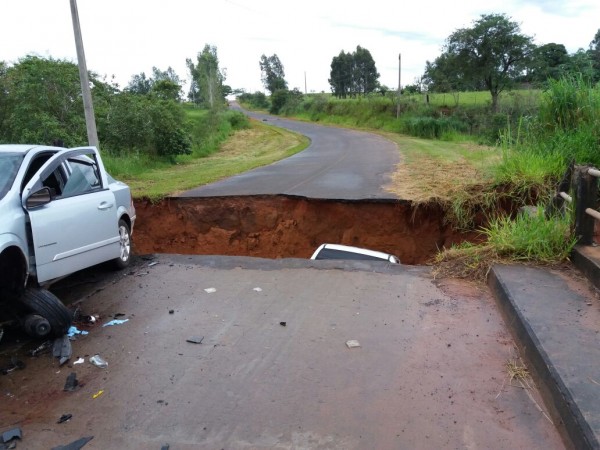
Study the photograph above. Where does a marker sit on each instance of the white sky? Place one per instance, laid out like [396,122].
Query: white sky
[126,37]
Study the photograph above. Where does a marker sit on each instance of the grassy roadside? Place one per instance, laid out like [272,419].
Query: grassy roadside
[247,149]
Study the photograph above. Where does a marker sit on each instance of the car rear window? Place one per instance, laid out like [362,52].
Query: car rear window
[328,253]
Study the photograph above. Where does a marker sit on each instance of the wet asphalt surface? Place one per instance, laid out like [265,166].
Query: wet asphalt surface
[338,164]
[274,369]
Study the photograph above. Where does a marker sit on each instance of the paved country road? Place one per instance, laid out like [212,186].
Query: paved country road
[338,164]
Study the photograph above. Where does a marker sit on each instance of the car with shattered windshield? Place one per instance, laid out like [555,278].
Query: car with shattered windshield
[60,212]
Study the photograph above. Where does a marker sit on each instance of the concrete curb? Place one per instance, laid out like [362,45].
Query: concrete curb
[587,259]
[520,293]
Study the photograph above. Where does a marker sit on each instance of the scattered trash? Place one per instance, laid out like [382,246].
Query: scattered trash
[210,290]
[65,418]
[98,394]
[118,315]
[71,383]
[115,322]
[75,445]
[9,435]
[41,349]
[283,324]
[171,311]
[165,447]
[72,331]
[91,319]
[153,263]
[257,289]
[195,339]
[62,349]
[79,361]
[352,343]
[15,364]
[98,361]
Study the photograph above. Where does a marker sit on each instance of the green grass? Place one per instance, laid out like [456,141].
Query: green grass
[245,150]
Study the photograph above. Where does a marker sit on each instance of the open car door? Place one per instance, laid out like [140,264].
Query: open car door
[76,225]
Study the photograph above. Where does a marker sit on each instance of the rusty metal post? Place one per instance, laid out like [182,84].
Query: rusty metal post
[586,188]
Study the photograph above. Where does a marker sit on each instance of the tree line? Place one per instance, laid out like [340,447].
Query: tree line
[40,102]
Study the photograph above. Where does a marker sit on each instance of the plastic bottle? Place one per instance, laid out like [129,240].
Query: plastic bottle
[98,361]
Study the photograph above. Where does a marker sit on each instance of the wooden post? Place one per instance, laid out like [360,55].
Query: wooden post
[586,189]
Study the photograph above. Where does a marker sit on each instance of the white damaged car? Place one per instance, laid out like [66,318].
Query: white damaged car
[60,212]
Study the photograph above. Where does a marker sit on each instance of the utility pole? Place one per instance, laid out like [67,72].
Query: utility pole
[399,84]
[88,107]
[305,91]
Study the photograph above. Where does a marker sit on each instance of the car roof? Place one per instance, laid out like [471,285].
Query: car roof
[23,148]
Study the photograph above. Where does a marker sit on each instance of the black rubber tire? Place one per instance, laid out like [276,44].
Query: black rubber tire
[123,261]
[48,305]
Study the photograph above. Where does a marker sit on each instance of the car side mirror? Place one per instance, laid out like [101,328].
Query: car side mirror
[39,198]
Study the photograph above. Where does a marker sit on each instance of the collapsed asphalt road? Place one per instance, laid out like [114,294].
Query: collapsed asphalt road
[274,369]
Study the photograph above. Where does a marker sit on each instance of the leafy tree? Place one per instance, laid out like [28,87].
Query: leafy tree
[492,53]
[272,73]
[341,74]
[365,75]
[594,53]
[165,85]
[42,102]
[353,73]
[547,62]
[581,62]
[207,79]
[140,84]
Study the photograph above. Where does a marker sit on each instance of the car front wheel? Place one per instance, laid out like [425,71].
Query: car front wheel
[125,246]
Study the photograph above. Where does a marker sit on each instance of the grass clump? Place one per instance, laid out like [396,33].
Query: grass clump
[531,237]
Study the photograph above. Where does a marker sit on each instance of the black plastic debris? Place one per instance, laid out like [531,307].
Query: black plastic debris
[42,348]
[65,418]
[75,445]
[283,324]
[71,383]
[195,339]
[9,435]
[171,311]
[165,447]
[62,349]
[15,364]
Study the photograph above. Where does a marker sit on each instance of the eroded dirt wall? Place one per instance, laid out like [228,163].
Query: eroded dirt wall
[289,227]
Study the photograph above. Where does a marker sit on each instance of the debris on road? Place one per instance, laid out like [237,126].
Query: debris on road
[79,361]
[65,418]
[98,361]
[98,394]
[257,289]
[195,339]
[171,311]
[210,290]
[352,343]
[283,324]
[9,435]
[15,364]
[115,322]
[42,348]
[62,349]
[75,445]
[71,383]
[153,263]
[72,331]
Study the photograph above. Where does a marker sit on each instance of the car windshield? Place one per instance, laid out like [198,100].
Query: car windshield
[9,165]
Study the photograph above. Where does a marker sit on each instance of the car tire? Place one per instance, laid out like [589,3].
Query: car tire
[124,258]
[44,303]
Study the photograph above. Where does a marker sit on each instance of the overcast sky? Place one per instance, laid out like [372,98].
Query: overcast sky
[126,37]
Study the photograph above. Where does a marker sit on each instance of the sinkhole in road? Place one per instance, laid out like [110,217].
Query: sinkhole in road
[291,227]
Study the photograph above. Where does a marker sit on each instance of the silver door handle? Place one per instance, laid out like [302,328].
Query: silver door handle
[104,205]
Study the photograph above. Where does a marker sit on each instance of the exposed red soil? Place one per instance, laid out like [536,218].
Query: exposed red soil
[290,227]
